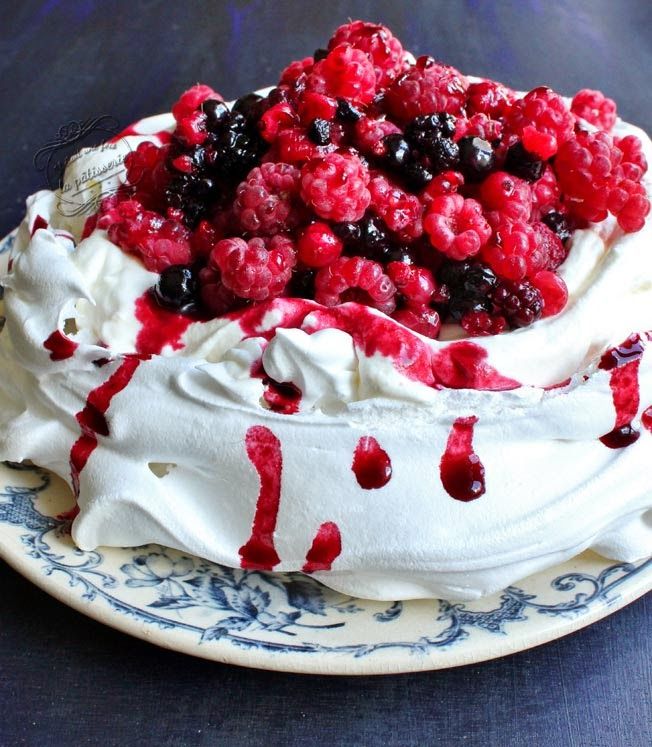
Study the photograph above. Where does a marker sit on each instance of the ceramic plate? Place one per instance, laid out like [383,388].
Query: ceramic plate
[289,622]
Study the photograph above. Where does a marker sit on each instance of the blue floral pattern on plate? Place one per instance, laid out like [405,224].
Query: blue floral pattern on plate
[276,613]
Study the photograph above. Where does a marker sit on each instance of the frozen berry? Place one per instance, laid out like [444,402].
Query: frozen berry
[470,286]
[488,97]
[523,164]
[415,285]
[506,194]
[550,251]
[400,211]
[320,131]
[512,250]
[558,224]
[482,323]
[177,288]
[456,226]
[423,320]
[369,135]
[335,187]
[552,288]
[476,158]
[542,120]
[345,73]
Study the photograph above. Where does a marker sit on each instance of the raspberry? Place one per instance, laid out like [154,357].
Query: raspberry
[507,194]
[629,202]
[148,174]
[368,135]
[595,108]
[257,269]
[190,100]
[159,242]
[632,150]
[318,246]
[335,187]
[355,279]
[204,238]
[445,183]
[545,193]
[381,46]
[294,70]
[267,202]
[456,226]
[215,297]
[426,88]
[512,253]
[550,251]
[489,98]
[293,146]
[400,211]
[424,321]
[316,106]
[543,121]
[552,288]
[479,125]
[585,167]
[277,118]
[345,73]
[482,323]
[520,303]
[415,284]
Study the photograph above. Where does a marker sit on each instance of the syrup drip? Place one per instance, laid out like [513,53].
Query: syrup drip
[60,346]
[159,326]
[646,419]
[462,365]
[371,464]
[39,222]
[623,362]
[283,398]
[92,418]
[462,472]
[264,452]
[326,546]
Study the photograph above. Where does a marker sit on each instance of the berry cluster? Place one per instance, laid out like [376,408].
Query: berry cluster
[362,177]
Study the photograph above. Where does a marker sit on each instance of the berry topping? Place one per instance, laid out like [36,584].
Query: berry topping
[365,177]
[456,226]
[595,108]
[335,187]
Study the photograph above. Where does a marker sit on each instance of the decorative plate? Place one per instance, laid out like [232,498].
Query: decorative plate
[289,622]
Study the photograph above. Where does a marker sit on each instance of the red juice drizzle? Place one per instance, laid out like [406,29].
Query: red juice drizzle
[371,466]
[326,546]
[92,418]
[462,472]
[60,346]
[283,398]
[462,365]
[160,327]
[264,452]
[646,419]
[623,362]
[39,222]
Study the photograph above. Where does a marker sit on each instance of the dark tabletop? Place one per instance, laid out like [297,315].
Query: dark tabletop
[65,679]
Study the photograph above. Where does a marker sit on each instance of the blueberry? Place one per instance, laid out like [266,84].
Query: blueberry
[215,111]
[399,152]
[476,158]
[177,288]
[523,164]
[346,112]
[416,176]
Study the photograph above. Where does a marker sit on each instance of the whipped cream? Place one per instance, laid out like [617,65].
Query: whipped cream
[347,472]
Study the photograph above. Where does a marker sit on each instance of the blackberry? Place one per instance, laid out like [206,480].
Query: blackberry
[320,131]
[476,158]
[444,155]
[558,224]
[470,287]
[519,302]
[192,194]
[235,149]
[423,132]
[524,164]
[416,176]
[177,289]
[346,112]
